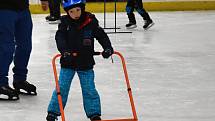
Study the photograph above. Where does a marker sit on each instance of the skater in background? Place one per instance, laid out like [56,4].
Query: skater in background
[75,41]
[15,45]
[54,8]
[138,5]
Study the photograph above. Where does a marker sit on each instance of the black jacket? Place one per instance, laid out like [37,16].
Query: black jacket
[15,4]
[78,37]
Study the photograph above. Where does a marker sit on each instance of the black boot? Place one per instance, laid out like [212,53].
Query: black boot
[132,21]
[11,93]
[148,23]
[54,20]
[95,118]
[131,25]
[29,89]
[51,117]
[47,17]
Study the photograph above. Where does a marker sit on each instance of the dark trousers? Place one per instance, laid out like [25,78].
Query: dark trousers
[54,7]
[15,43]
[138,6]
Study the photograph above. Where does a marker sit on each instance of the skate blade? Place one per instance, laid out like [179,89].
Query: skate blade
[54,22]
[131,27]
[28,93]
[149,26]
[14,98]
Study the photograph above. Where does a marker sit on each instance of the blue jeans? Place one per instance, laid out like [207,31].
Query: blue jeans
[91,99]
[15,43]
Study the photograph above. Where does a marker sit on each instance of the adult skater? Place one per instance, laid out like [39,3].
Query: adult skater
[138,5]
[16,45]
[75,41]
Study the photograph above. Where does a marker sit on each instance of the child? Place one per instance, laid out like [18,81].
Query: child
[75,41]
[138,5]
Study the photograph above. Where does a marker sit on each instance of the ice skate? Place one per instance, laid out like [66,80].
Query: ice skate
[51,117]
[47,17]
[8,91]
[132,21]
[53,20]
[148,24]
[131,25]
[95,118]
[29,89]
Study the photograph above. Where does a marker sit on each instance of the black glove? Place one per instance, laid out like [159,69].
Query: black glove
[66,59]
[107,52]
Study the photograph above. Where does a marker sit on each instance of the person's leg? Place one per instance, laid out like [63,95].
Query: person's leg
[91,99]
[56,9]
[23,41]
[50,11]
[7,44]
[130,14]
[141,10]
[7,47]
[65,79]
[147,19]
[51,7]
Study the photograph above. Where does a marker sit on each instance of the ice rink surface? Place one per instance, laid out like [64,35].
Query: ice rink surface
[171,69]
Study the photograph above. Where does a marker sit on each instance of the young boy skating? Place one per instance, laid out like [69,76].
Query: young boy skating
[75,41]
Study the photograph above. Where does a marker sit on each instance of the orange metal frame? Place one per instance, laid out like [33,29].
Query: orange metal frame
[134,118]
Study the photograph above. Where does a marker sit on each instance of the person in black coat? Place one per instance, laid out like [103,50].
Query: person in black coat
[15,45]
[75,41]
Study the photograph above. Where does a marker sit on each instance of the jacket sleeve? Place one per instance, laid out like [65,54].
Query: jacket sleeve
[61,37]
[101,36]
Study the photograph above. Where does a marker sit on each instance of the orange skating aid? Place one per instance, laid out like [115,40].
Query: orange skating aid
[134,118]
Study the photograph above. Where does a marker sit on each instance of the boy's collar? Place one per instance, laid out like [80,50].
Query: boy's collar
[86,21]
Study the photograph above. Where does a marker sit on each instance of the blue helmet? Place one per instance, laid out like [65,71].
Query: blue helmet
[69,4]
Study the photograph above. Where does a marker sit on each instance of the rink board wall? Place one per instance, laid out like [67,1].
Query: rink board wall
[150,6]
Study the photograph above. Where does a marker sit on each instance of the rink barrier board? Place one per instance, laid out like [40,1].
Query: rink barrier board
[149,6]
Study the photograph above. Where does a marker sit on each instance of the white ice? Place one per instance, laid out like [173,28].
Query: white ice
[171,69]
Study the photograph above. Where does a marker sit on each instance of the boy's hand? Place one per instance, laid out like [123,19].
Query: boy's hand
[44,5]
[107,52]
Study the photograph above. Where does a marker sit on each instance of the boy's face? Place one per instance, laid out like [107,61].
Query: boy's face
[75,13]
